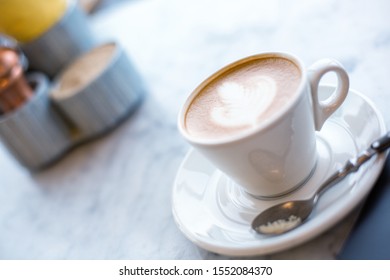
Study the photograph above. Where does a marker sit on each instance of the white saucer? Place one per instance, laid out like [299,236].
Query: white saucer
[215,214]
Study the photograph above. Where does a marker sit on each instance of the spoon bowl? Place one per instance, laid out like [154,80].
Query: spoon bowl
[283,217]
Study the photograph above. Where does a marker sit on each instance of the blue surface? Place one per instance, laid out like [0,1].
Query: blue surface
[369,239]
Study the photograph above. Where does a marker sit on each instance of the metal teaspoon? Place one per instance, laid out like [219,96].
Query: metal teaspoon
[288,215]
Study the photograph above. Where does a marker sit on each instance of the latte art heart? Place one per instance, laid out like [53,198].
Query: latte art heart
[241,98]
[243,105]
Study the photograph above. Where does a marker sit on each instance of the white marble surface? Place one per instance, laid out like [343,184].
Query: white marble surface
[111,198]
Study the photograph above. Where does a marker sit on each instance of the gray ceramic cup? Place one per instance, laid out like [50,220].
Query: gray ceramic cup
[64,41]
[97,90]
[35,133]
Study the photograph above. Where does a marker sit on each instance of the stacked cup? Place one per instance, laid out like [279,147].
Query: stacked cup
[83,100]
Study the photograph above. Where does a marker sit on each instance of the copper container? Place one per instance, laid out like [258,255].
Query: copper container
[14,89]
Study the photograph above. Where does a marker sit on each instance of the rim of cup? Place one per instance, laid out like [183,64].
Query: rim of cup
[262,126]
[57,79]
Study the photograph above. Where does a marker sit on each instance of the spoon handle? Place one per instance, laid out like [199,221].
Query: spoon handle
[352,165]
[382,143]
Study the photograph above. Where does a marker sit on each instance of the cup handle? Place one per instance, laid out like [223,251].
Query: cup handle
[322,109]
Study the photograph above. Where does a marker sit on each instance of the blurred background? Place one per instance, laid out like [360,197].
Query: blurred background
[93,6]
[111,198]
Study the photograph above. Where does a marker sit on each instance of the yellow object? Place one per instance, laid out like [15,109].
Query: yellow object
[25,20]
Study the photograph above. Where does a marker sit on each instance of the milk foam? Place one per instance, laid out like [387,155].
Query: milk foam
[242,105]
[242,97]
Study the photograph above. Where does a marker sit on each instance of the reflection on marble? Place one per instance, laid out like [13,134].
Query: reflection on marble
[111,198]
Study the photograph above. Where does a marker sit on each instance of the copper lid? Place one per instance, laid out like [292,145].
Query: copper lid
[14,90]
[9,67]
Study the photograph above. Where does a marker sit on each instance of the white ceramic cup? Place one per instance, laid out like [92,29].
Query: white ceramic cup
[278,155]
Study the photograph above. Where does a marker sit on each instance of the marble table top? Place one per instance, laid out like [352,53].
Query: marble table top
[111,198]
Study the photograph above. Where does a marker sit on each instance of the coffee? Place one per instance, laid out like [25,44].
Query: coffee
[83,71]
[242,97]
